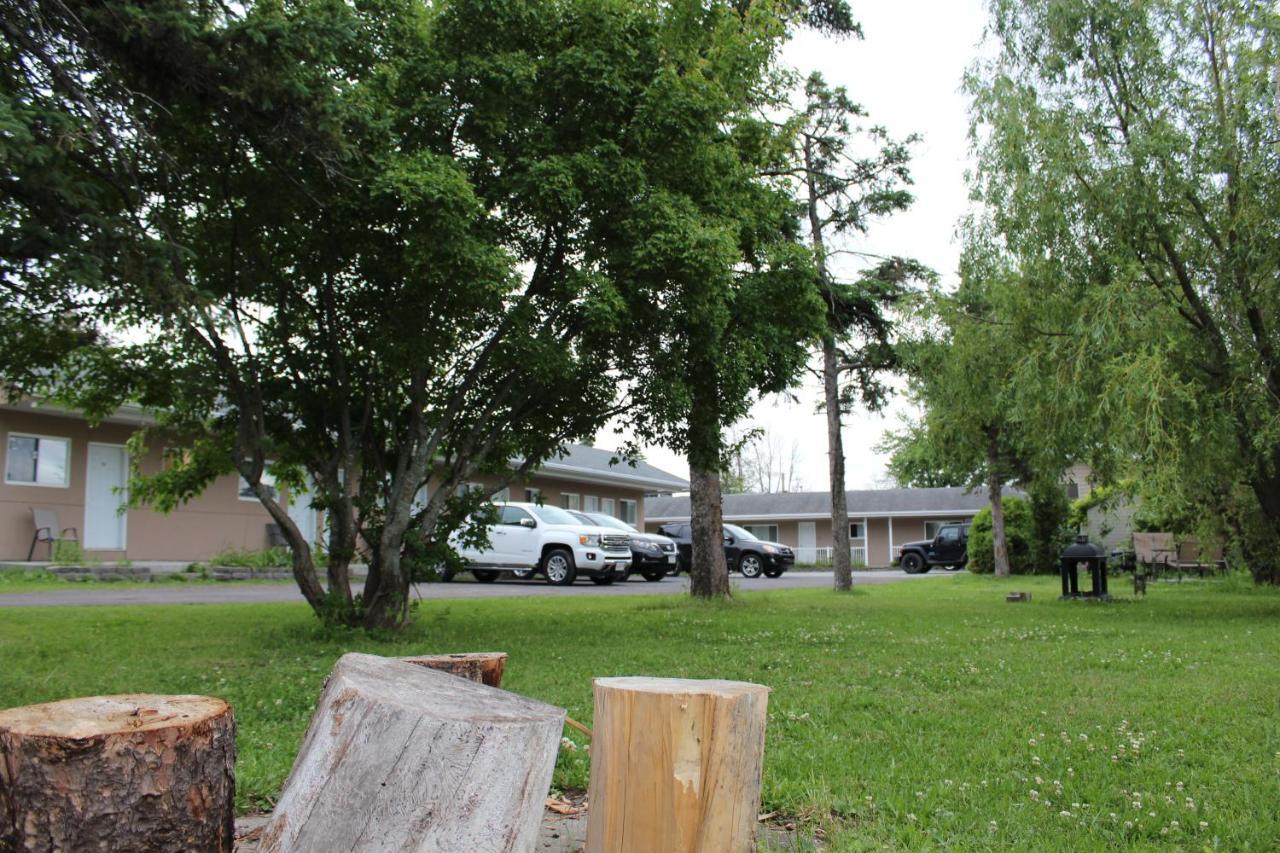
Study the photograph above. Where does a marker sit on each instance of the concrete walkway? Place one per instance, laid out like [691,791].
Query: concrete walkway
[241,592]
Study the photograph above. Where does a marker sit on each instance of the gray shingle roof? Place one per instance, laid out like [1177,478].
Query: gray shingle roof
[865,502]
[594,462]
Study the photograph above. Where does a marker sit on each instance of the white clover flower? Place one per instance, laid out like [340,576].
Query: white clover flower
[1064,813]
[568,745]
[1204,824]
[1033,794]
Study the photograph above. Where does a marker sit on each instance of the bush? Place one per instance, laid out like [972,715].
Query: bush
[1019,531]
[271,558]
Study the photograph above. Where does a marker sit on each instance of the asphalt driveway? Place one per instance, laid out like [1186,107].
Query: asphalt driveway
[240,592]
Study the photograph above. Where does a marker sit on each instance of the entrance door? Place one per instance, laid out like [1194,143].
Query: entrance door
[807,543]
[303,514]
[104,496]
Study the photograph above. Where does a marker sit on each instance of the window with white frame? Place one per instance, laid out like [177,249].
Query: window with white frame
[931,527]
[38,460]
[607,507]
[268,481]
[767,532]
[591,503]
[568,500]
[628,511]
[532,495]
[857,530]
[465,489]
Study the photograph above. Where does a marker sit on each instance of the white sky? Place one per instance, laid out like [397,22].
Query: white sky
[907,73]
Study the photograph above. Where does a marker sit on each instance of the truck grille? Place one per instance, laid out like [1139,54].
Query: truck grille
[615,543]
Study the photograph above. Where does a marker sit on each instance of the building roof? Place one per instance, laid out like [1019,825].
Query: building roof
[594,465]
[865,503]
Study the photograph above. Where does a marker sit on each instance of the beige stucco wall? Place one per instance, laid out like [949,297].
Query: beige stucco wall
[215,521]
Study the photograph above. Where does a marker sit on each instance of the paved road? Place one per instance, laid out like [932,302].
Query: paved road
[238,592]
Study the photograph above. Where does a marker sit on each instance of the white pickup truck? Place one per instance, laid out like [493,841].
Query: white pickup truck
[528,538]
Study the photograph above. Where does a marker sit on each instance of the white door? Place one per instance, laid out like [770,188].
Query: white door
[302,513]
[104,497]
[807,542]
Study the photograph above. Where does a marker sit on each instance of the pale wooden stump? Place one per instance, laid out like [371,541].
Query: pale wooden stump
[481,667]
[675,765]
[404,757]
[131,772]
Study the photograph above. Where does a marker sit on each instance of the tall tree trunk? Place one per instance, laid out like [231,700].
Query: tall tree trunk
[840,559]
[994,494]
[708,571]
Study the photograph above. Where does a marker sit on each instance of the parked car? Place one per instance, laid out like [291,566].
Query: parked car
[528,539]
[652,556]
[742,550]
[948,548]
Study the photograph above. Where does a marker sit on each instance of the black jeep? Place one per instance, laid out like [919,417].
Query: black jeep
[948,549]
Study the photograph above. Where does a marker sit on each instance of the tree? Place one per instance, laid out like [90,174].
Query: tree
[388,247]
[1127,163]
[761,462]
[1019,535]
[842,192]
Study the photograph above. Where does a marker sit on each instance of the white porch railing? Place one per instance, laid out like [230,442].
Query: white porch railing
[822,556]
[896,551]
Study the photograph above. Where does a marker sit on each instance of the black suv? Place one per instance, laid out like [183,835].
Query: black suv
[744,553]
[949,549]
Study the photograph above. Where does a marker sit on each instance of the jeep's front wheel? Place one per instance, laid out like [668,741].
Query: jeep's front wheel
[913,563]
[750,565]
[484,575]
[559,568]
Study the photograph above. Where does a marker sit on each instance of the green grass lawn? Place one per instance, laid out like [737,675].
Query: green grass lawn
[916,714]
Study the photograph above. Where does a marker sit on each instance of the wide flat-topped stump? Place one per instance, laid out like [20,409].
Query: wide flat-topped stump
[481,667]
[405,757]
[128,772]
[675,765]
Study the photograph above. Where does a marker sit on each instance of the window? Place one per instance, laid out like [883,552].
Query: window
[513,515]
[37,460]
[591,503]
[606,506]
[532,496]
[767,532]
[857,530]
[268,486]
[950,534]
[502,495]
[628,511]
[931,527]
[465,489]
[570,501]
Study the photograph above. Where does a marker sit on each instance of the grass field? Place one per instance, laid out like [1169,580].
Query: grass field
[909,715]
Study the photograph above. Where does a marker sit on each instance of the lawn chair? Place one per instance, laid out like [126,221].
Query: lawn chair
[1194,557]
[1154,552]
[47,530]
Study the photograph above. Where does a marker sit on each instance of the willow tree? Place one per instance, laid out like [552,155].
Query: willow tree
[385,247]
[1127,163]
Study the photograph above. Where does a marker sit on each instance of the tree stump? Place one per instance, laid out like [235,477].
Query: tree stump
[675,765]
[131,772]
[404,757]
[480,667]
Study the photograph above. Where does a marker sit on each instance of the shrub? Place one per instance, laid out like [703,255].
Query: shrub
[271,558]
[1019,531]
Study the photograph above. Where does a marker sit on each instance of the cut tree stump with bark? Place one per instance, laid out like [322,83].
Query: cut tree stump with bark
[130,772]
[675,765]
[480,667]
[404,757]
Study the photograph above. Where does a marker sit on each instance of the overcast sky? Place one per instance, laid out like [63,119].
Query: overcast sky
[907,73]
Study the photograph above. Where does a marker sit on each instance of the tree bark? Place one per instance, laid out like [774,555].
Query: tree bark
[675,765]
[708,570]
[407,758]
[999,543]
[840,557]
[129,772]
[480,667]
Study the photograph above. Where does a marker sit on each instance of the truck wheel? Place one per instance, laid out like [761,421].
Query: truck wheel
[484,575]
[913,563]
[446,576]
[953,568]
[750,565]
[559,568]
[602,580]
[522,574]
[654,577]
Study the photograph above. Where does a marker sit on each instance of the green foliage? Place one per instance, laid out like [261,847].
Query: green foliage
[67,552]
[1129,175]
[1050,511]
[268,558]
[1019,531]
[1198,700]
